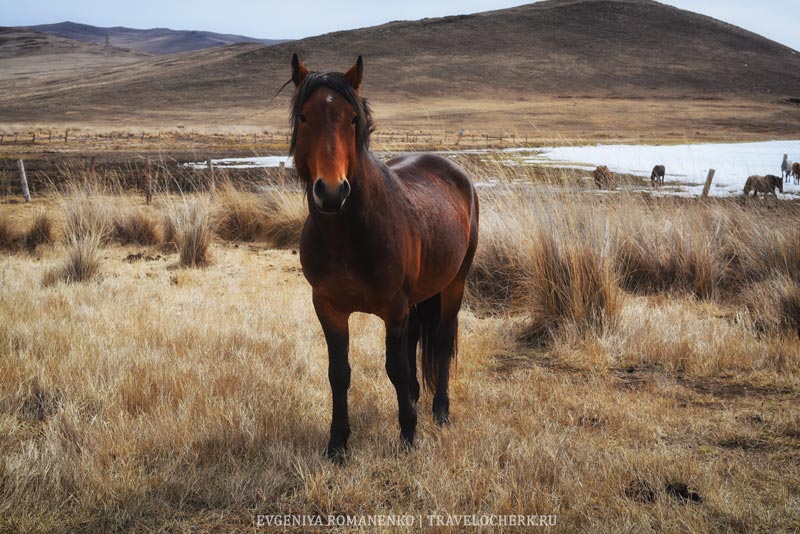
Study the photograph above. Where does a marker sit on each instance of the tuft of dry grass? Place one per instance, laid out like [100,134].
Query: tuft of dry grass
[41,232]
[87,214]
[83,258]
[240,216]
[566,285]
[87,227]
[773,306]
[193,231]
[275,216]
[542,259]
[9,233]
[286,214]
[138,226]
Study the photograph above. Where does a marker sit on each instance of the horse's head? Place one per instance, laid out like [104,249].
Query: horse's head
[331,126]
[776,182]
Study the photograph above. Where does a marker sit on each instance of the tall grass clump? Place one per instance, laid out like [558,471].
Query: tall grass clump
[568,284]
[773,306]
[712,250]
[544,259]
[274,216]
[87,227]
[192,229]
[83,257]
[286,214]
[14,237]
[86,214]
[9,233]
[138,226]
[684,251]
[41,232]
[240,215]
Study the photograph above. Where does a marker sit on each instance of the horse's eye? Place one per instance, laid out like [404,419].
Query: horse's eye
[355,119]
[301,118]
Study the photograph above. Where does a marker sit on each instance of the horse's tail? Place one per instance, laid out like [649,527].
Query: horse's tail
[429,315]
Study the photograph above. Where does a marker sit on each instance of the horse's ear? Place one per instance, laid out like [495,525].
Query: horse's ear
[299,71]
[353,76]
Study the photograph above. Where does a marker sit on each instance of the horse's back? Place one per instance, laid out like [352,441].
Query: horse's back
[431,170]
[443,206]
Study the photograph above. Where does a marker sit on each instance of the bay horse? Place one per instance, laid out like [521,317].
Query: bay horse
[393,239]
[796,172]
[603,178]
[763,184]
[657,175]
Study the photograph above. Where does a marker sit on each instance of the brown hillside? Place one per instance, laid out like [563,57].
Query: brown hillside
[461,68]
[155,41]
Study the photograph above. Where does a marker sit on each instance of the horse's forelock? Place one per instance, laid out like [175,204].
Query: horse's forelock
[336,82]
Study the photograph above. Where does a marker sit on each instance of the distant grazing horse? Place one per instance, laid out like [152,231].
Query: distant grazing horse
[786,167]
[657,175]
[393,239]
[796,173]
[763,184]
[603,178]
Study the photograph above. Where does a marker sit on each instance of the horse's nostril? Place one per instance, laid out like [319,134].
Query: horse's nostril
[319,188]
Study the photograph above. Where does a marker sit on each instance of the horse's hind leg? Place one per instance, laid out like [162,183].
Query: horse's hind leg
[446,347]
[411,348]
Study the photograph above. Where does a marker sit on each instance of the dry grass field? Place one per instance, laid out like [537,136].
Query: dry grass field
[626,363]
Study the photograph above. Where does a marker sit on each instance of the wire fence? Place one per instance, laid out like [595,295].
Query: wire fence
[264,138]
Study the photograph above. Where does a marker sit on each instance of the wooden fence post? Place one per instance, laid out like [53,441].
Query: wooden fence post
[90,172]
[148,183]
[211,185]
[282,173]
[33,139]
[66,135]
[707,185]
[23,181]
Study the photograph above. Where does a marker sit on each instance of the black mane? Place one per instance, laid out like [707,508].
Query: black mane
[336,82]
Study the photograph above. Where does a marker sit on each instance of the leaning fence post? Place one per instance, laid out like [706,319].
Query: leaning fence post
[23,181]
[148,183]
[282,173]
[211,185]
[707,185]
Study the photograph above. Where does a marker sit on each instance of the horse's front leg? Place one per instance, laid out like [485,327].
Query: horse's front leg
[337,335]
[397,367]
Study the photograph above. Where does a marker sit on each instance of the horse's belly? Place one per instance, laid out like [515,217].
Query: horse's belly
[440,262]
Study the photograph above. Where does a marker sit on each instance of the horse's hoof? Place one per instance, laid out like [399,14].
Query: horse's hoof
[407,441]
[441,411]
[442,419]
[336,453]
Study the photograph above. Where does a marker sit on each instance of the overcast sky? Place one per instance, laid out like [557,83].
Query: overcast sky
[776,19]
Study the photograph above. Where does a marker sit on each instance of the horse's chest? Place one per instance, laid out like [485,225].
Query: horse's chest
[358,279]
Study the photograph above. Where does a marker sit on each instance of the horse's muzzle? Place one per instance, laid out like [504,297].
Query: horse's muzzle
[330,200]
